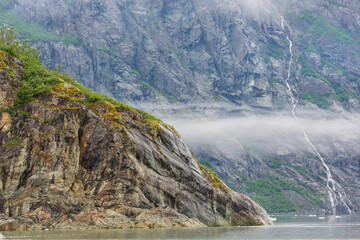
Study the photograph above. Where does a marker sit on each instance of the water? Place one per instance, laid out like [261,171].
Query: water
[335,191]
[347,227]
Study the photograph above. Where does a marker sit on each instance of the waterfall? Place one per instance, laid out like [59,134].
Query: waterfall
[331,184]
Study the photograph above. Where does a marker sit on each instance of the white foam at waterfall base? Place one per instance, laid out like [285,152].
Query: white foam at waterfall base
[331,183]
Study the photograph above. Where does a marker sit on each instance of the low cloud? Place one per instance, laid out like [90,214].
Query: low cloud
[279,134]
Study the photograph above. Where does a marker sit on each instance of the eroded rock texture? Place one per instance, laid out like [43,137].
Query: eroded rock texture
[213,58]
[66,164]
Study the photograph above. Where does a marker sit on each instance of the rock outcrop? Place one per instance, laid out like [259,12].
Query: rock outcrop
[189,58]
[66,163]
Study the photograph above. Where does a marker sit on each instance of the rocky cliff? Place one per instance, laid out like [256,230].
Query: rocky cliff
[199,55]
[66,162]
[223,57]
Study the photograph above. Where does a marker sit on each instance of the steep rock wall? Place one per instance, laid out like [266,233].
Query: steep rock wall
[64,164]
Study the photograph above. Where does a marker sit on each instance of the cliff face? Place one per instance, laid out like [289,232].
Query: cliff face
[68,164]
[204,55]
[222,57]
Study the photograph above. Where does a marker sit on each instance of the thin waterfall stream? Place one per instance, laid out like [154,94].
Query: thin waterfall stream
[334,188]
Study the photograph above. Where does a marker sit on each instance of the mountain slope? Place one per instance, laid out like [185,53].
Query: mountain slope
[72,160]
[190,51]
[225,58]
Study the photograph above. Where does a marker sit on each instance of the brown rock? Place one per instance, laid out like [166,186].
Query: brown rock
[5,122]
[99,166]
[15,224]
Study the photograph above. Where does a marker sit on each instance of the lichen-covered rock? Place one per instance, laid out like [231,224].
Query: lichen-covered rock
[218,58]
[66,164]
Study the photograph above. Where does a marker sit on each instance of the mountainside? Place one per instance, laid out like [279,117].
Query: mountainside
[204,59]
[71,159]
[270,159]
[230,53]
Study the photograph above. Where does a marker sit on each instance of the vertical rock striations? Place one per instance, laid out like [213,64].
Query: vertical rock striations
[67,163]
[217,53]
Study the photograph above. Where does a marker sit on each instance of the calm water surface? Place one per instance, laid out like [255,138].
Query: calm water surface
[347,227]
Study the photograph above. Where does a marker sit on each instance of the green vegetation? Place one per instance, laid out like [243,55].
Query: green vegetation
[276,51]
[171,98]
[4,110]
[318,26]
[36,79]
[350,77]
[326,63]
[242,177]
[274,162]
[7,110]
[30,30]
[12,142]
[311,156]
[205,162]
[267,60]
[274,80]
[219,98]
[68,39]
[212,177]
[93,96]
[312,48]
[308,69]
[342,94]
[321,100]
[134,72]
[207,165]
[280,106]
[268,193]
[335,2]
[210,170]
[254,25]
[69,3]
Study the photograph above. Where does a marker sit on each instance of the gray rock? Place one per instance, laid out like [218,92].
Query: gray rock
[195,58]
[76,165]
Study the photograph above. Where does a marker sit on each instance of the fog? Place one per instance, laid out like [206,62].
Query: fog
[259,10]
[279,134]
[254,5]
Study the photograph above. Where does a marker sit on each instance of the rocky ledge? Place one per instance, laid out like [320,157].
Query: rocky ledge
[67,163]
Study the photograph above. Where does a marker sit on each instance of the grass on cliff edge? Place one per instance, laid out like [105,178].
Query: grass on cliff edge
[37,79]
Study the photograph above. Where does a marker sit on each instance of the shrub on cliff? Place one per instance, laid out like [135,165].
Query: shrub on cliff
[21,50]
[37,79]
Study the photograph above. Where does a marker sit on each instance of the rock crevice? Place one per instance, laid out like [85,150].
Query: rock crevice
[66,164]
